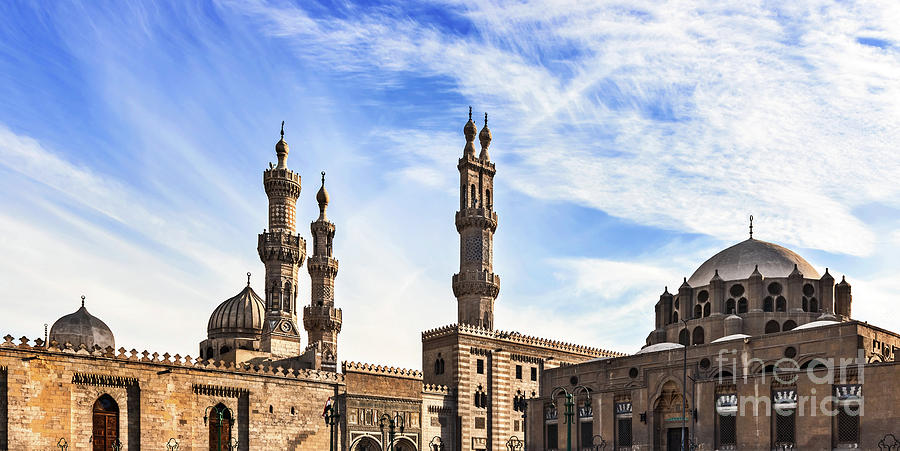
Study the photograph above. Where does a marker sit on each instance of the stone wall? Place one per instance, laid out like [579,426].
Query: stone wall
[51,392]
[652,383]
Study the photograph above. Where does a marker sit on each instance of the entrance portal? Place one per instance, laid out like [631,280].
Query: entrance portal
[673,438]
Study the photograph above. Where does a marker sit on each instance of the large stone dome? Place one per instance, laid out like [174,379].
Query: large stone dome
[738,261]
[82,327]
[239,316]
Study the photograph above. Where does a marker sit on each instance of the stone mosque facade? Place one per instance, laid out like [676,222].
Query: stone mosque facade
[259,382]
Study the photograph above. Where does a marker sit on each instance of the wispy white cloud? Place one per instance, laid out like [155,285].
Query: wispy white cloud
[686,118]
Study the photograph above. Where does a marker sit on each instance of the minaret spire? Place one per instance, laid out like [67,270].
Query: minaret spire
[476,286]
[282,251]
[321,319]
[751,227]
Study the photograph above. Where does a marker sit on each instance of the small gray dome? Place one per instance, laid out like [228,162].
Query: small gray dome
[82,327]
[240,316]
[738,261]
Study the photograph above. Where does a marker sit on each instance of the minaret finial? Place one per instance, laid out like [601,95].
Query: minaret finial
[282,129]
[751,226]
[470,112]
[248,279]
[485,118]
[323,178]
[82,300]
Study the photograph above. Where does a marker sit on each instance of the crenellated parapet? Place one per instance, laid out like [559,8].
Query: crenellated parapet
[368,368]
[437,389]
[164,361]
[515,337]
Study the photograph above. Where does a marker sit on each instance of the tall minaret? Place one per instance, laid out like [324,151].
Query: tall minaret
[282,250]
[476,286]
[321,319]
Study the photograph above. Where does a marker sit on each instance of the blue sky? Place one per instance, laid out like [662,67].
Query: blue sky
[632,140]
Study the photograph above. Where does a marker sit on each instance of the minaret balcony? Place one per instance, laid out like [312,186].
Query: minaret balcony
[285,247]
[481,283]
[320,264]
[484,218]
[321,317]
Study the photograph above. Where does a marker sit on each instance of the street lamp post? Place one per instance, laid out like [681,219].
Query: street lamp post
[331,418]
[684,386]
[393,423]
[520,403]
[597,443]
[513,444]
[570,407]
[220,413]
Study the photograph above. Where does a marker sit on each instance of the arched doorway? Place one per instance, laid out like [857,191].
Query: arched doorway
[105,423]
[404,444]
[668,418]
[220,422]
[367,444]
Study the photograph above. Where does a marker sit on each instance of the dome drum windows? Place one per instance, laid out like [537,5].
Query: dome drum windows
[702,308]
[698,336]
[810,303]
[732,306]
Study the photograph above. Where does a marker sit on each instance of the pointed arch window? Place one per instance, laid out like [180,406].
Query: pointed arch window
[768,304]
[474,193]
[742,305]
[698,311]
[487,199]
[772,327]
[780,304]
[105,423]
[698,336]
[730,307]
[286,302]
[684,338]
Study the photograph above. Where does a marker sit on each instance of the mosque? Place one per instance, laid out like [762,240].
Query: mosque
[260,381]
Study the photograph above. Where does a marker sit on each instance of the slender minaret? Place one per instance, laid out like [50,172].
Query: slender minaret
[476,286]
[321,319]
[282,250]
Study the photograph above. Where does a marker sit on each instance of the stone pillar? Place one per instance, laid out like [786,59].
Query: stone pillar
[826,292]
[755,293]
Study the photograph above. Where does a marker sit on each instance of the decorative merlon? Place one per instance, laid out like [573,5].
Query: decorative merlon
[355,367]
[167,360]
[516,337]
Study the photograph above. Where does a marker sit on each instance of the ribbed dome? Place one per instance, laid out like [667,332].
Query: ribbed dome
[738,262]
[82,327]
[240,316]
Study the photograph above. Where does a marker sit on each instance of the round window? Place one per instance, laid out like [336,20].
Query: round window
[790,352]
[809,290]
[704,363]
[774,288]
[737,290]
[633,373]
[703,296]
[573,380]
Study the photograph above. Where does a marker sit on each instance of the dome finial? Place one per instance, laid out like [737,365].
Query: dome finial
[248,279]
[485,138]
[281,150]
[470,131]
[751,227]
[322,198]
[82,300]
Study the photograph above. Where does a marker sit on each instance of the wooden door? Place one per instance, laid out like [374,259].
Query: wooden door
[214,429]
[105,431]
